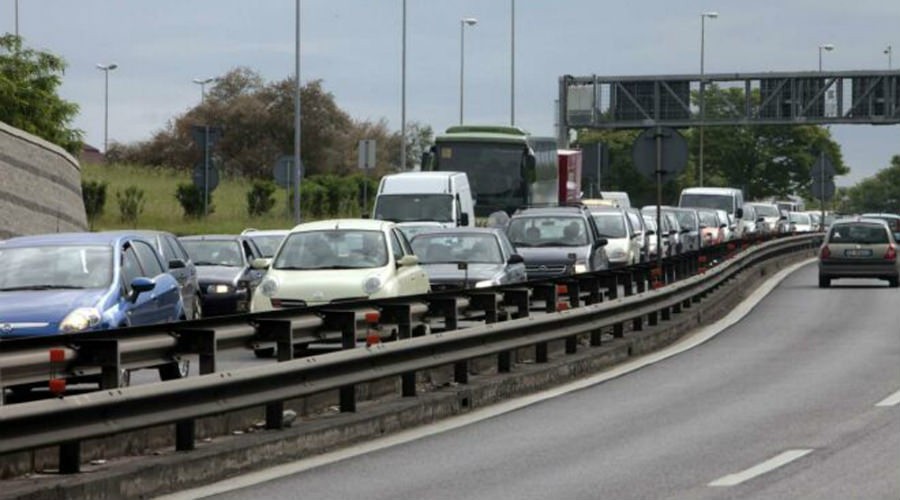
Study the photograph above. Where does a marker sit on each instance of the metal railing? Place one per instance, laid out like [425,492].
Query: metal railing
[573,305]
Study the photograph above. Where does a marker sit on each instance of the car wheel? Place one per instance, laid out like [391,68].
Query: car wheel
[196,308]
[824,282]
[174,370]
[264,352]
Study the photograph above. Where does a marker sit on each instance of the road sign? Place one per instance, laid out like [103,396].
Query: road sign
[284,171]
[674,153]
[199,133]
[366,154]
[822,168]
[198,177]
[819,188]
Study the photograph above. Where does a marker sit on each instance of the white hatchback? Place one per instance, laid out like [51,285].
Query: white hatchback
[338,260]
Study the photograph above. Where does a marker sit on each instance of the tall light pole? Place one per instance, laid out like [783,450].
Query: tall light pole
[703,16]
[106,68]
[889,51]
[297,166]
[17,18]
[202,83]
[471,21]
[512,62]
[826,46]
[403,92]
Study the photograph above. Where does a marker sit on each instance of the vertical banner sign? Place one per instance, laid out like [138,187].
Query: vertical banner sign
[366,161]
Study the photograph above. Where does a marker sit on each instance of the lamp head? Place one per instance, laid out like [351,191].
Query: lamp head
[471,21]
[829,47]
[711,15]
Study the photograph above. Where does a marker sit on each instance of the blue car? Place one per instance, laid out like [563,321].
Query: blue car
[76,282]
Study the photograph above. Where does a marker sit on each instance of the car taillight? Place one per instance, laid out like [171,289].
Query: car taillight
[891,253]
[826,252]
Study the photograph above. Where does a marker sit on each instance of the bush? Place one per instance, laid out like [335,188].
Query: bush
[94,195]
[131,204]
[191,199]
[260,198]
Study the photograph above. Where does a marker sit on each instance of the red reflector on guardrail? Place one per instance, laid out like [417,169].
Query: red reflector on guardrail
[57,386]
[562,290]
[372,318]
[701,259]
[562,306]
[372,338]
[57,355]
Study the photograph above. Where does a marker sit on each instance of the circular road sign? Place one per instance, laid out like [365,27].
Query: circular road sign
[199,178]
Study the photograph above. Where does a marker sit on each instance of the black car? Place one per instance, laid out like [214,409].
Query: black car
[557,241]
[465,257]
[223,270]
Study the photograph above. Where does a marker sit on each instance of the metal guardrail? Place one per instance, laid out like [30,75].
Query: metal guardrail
[505,310]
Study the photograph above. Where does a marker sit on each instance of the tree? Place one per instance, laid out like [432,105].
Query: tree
[29,80]
[879,193]
[93,193]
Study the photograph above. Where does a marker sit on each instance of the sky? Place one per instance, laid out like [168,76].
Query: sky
[354,47]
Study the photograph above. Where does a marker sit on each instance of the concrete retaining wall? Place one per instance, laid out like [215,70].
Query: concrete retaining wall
[40,186]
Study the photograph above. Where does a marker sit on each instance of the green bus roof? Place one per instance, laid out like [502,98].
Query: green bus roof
[484,133]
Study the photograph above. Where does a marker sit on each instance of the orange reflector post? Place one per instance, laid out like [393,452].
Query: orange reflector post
[656,272]
[562,290]
[57,355]
[57,386]
[372,318]
[657,284]
[701,259]
[562,306]
[372,338]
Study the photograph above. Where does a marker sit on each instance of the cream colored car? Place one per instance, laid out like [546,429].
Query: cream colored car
[338,260]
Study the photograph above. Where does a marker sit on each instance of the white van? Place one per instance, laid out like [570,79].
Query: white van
[442,199]
[620,197]
[730,200]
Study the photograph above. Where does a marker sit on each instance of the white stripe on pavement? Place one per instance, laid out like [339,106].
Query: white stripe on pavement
[758,470]
[892,400]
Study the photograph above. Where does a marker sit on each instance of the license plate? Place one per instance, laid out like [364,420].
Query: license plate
[858,252]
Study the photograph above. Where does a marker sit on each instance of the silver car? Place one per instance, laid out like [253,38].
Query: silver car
[466,257]
[623,247]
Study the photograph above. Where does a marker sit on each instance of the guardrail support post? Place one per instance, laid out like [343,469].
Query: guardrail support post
[641,275]
[401,314]
[653,318]
[637,324]
[105,354]
[612,286]
[627,282]
[281,331]
[345,321]
[186,435]
[592,286]
[541,352]
[487,302]
[571,344]
[573,291]
[666,314]
[518,298]
[546,292]
[461,372]
[448,308]
[70,457]
[200,342]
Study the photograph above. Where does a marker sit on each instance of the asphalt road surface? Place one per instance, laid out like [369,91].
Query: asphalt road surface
[801,399]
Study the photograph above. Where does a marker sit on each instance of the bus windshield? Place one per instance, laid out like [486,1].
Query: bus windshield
[494,171]
[719,202]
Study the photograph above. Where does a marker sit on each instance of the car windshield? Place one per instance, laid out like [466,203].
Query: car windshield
[798,218]
[267,243]
[411,208]
[547,231]
[767,210]
[49,267]
[709,219]
[439,248]
[650,223]
[859,234]
[717,201]
[610,225]
[412,230]
[332,249]
[686,220]
[214,252]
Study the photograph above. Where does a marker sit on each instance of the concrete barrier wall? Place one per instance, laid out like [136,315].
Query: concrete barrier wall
[40,186]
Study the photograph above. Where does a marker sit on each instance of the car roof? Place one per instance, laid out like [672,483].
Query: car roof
[710,190]
[335,224]
[555,210]
[211,237]
[880,215]
[264,232]
[102,238]
[462,230]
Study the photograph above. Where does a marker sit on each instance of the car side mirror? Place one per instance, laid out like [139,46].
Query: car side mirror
[463,219]
[703,226]
[673,232]
[723,226]
[260,264]
[140,285]
[650,232]
[739,213]
[782,217]
[601,242]
[177,264]
[408,260]
[515,259]
[685,231]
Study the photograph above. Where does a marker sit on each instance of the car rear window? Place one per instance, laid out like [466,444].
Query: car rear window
[862,234]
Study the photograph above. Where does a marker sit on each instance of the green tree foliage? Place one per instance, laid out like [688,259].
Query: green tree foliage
[94,195]
[29,80]
[260,198]
[191,199]
[879,193]
[258,123]
[131,204]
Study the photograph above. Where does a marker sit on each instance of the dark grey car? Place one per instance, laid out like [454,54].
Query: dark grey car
[689,223]
[223,270]
[468,257]
[557,241]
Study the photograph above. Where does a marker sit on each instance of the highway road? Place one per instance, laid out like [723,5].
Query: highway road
[800,399]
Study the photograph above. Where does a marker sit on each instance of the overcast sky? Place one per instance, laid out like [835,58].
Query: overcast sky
[354,46]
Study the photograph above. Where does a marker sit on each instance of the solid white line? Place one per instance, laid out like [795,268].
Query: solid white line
[892,400]
[700,336]
[758,470]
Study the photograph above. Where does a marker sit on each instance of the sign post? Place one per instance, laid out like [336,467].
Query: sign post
[365,162]
[208,177]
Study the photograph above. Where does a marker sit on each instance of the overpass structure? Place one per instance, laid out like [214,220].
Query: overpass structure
[771,98]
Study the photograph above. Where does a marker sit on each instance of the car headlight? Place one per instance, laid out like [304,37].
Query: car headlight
[80,320]
[580,267]
[372,285]
[268,287]
[487,283]
[219,288]
[617,254]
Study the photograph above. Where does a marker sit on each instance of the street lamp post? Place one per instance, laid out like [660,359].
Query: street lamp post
[297,165]
[889,51]
[17,18]
[512,63]
[202,82]
[106,68]
[403,92]
[471,21]
[827,46]
[703,16]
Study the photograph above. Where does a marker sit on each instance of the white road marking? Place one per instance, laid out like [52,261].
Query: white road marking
[758,470]
[695,339]
[892,400]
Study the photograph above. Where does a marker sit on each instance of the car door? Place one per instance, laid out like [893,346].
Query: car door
[515,273]
[599,261]
[411,280]
[142,310]
[165,296]
[181,274]
[251,253]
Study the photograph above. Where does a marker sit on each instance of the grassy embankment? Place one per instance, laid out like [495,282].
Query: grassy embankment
[162,210]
